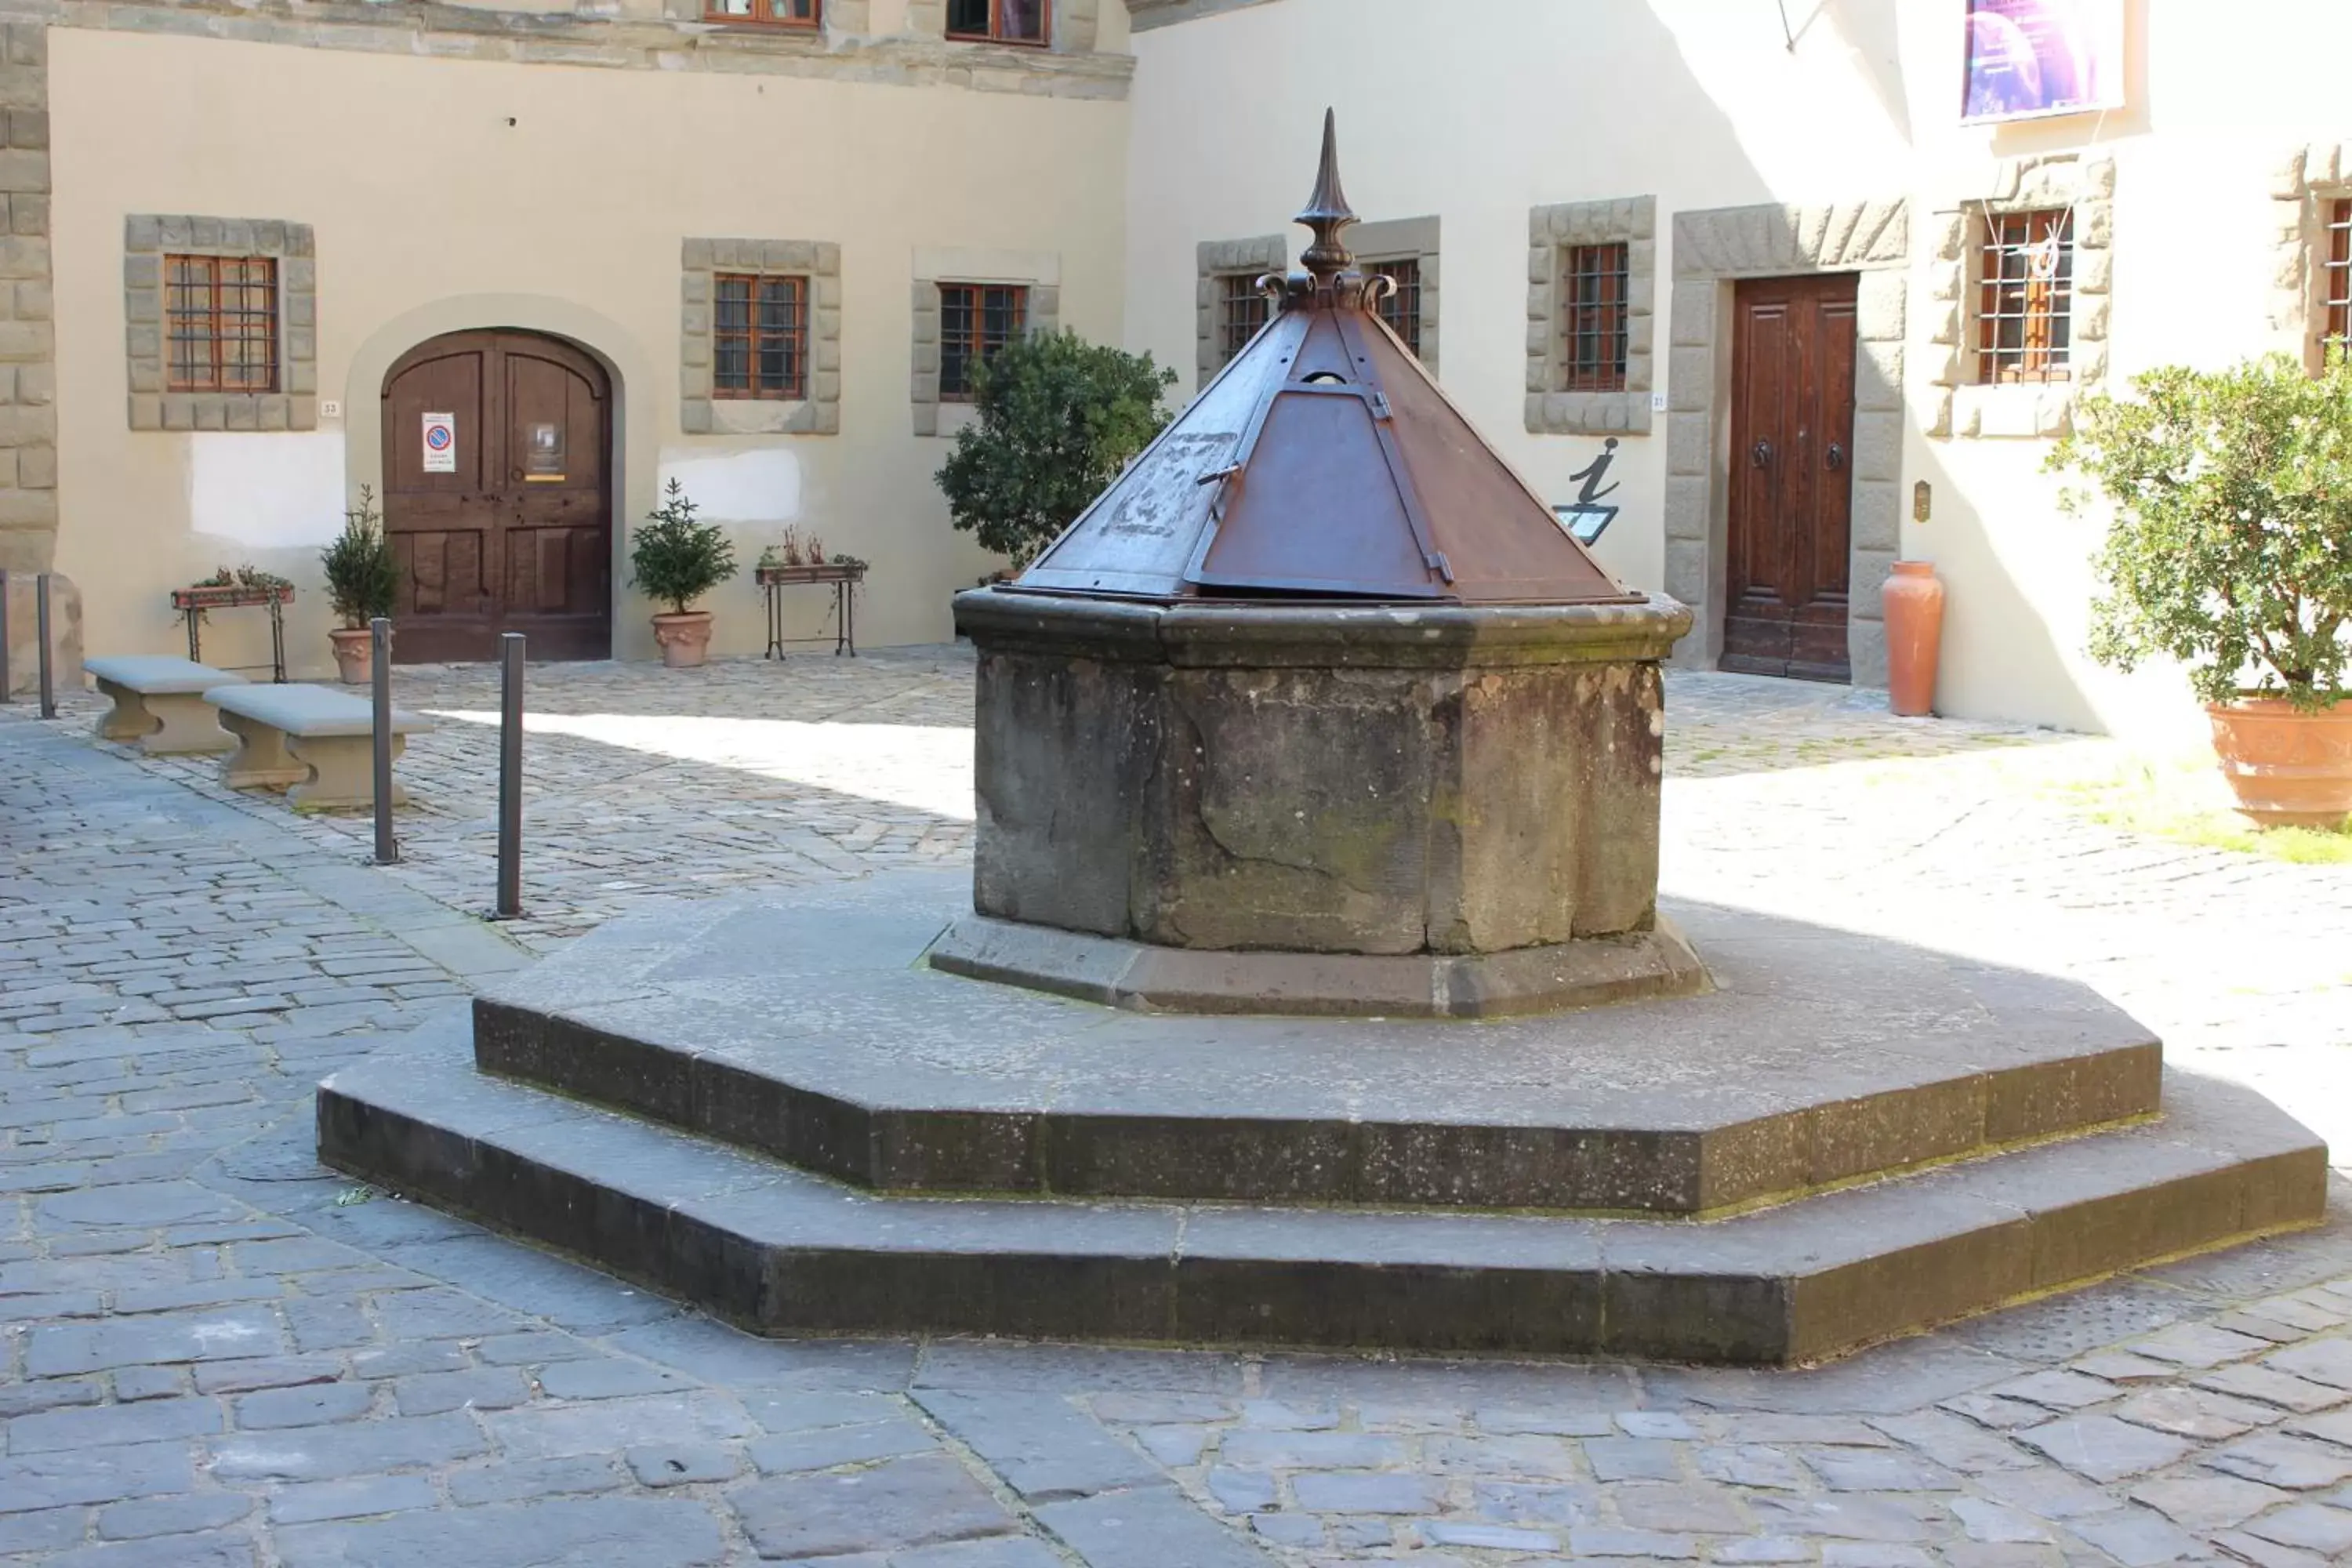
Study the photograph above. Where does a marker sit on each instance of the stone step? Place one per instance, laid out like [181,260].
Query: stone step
[781,1251]
[803,1026]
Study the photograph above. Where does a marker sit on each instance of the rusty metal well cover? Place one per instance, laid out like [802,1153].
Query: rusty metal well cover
[1323,462]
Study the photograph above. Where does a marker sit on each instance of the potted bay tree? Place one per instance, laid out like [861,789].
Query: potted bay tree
[676,561]
[2228,548]
[362,578]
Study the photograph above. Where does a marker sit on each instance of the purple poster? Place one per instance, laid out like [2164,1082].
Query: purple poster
[2029,57]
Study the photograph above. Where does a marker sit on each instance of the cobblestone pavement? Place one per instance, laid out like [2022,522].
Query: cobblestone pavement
[214,1353]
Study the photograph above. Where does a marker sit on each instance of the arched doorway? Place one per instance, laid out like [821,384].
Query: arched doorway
[498,497]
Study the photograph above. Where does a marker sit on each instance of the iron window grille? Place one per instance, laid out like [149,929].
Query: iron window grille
[759,337]
[1241,313]
[975,321]
[2337,274]
[1594,326]
[2025,296]
[1001,21]
[221,323]
[765,12]
[1402,309]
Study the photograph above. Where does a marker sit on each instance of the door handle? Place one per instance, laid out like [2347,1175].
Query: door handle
[1762,454]
[1836,457]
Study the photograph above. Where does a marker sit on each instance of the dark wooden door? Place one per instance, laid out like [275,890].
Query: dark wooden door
[511,529]
[1791,477]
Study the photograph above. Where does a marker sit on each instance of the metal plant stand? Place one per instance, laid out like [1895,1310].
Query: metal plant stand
[844,581]
[191,604]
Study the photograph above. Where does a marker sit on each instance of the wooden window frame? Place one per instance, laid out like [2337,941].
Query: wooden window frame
[2044,306]
[1596,317]
[995,34]
[2335,277]
[1401,307]
[1242,313]
[213,321]
[762,15]
[973,343]
[754,336]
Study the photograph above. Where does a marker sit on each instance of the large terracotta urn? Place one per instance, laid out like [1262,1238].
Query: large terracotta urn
[1913,599]
[2288,768]
[685,639]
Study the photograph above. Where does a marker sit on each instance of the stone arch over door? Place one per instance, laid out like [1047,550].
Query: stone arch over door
[1712,249]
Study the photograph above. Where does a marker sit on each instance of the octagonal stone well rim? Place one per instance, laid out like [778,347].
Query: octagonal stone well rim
[1338,634]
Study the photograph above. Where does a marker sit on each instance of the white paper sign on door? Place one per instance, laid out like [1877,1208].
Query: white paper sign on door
[440,443]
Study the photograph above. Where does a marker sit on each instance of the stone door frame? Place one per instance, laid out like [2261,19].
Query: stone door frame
[1712,249]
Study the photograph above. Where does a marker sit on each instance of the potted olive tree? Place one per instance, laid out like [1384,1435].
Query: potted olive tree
[1058,418]
[676,561]
[2230,549]
[362,579]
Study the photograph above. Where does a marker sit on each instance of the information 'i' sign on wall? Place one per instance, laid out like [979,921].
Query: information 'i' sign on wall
[440,443]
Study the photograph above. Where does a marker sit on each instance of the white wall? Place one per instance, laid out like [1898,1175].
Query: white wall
[1479,110]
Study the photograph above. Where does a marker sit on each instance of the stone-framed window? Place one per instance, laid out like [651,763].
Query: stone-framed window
[2311,303]
[2039,242]
[1404,250]
[221,322]
[1038,276]
[780,21]
[1224,301]
[1570,245]
[765,12]
[744,406]
[1071,27]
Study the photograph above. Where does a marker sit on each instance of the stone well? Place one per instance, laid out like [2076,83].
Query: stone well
[1318,708]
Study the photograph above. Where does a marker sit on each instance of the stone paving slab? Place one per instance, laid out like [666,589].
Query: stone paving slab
[125,886]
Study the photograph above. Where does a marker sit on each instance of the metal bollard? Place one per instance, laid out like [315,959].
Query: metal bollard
[47,664]
[387,849]
[510,645]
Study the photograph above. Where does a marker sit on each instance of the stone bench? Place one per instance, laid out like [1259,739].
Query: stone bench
[316,744]
[161,704]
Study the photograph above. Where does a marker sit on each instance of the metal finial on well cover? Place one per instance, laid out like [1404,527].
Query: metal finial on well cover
[1327,212]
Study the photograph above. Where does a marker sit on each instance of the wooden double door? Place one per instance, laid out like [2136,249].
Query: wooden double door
[498,497]
[1788,598]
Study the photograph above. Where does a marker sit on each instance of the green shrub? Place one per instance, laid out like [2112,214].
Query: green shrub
[2230,548]
[1058,418]
[362,577]
[676,560]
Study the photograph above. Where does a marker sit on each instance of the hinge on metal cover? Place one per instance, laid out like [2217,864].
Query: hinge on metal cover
[1437,562]
[1380,401]
[1210,478]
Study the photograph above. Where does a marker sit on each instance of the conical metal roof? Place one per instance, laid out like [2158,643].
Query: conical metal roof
[1323,462]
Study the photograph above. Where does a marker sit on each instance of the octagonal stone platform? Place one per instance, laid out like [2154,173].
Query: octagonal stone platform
[811,1132]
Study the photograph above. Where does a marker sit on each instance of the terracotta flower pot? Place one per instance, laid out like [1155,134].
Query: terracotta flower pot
[685,639]
[2288,769]
[354,653]
[1913,598]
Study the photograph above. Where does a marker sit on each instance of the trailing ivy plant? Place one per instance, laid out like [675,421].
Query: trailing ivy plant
[675,560]
[362,577]
[2230,544]
[1058,418]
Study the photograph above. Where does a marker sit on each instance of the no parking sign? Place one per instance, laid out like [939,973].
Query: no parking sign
[440,443]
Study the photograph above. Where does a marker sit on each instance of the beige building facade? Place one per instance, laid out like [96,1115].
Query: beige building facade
[1681,249]
[558,198]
